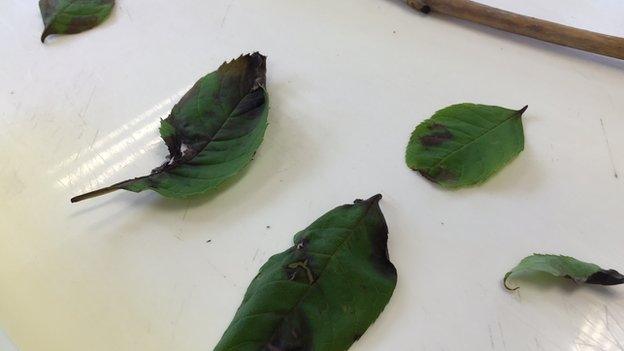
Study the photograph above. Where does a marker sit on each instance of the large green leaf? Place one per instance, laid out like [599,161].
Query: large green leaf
[324,292]
[465,144]
[73,16]
[567,267]
[212,133]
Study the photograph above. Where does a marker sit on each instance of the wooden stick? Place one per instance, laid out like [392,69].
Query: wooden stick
[524,25]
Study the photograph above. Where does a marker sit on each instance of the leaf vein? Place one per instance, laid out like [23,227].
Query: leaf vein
[437,164]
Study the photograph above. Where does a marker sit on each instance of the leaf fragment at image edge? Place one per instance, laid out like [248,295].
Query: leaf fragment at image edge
[73,16]
[566,267]
[465,144]
[212,133]
[324,292]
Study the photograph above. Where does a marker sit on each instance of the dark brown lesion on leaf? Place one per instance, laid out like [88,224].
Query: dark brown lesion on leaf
[252,68]
[439,175]
[81,23]
[379,255]
[438,134]
[173,145]
[378,237]
[293,334]
[379,250]
[606,277]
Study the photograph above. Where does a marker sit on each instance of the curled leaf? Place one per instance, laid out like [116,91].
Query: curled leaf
[464,145]
[325,291]
[212,133]
[73,16]
[566,267]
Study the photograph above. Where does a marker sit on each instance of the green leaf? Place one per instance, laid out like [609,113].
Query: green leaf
[465,144]
[73,16]
[324,292]
[567,267]
[212,133]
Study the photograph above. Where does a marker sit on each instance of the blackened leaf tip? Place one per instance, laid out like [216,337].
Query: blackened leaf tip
[255,55]
[522,110]
[259,55]
[375,198]
[254,60]
[606,277]
[372,200]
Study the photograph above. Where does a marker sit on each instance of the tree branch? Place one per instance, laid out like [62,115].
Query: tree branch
[524,25]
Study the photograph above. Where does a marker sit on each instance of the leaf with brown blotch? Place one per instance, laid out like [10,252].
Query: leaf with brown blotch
[322,293]
[465,144]
[212,133]
[565,267]
[73,16]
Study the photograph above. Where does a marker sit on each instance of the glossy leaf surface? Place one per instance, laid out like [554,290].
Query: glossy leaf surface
[212,133]
[324,292]
[567,267]
[464,145]
[73,16]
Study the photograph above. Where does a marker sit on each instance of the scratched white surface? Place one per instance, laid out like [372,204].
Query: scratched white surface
[349,80]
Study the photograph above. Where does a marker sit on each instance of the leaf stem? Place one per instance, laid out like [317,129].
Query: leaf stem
[94,193]
[551,32]
[104,191]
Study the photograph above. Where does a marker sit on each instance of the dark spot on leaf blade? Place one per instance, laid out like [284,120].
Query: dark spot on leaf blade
[293,334]
[439,176]
[435,139]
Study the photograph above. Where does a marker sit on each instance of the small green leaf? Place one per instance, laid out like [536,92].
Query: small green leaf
[73,16]
[566,267]
[465,144]
[324,292]
[212,133]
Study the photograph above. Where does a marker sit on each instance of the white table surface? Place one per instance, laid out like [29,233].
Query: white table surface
[349,80]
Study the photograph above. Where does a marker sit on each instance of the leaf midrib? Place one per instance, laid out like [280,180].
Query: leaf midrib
[513,115]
